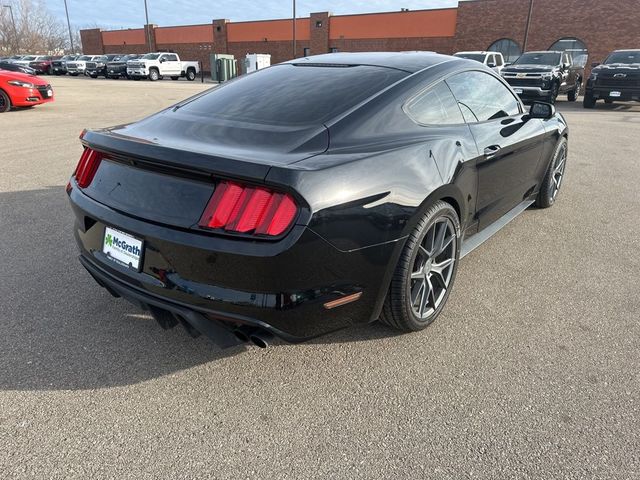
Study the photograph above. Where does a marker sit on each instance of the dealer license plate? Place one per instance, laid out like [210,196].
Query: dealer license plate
[122,248]
[517,90]
[614,94]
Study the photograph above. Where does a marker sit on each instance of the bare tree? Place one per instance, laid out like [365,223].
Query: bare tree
[38,31]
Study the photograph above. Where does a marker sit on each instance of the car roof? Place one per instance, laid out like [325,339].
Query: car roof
[480,52]
[544,51]
[407,61]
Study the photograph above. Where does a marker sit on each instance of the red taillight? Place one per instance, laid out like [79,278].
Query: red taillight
[244,209]
[87,167]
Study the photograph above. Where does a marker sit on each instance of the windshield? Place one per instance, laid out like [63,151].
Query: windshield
[544,58]
[84,58]
[292,95]
[151,56]
[623,57]
[478,57]
[29,57]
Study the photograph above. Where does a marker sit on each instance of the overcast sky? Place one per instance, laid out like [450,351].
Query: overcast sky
[130,13]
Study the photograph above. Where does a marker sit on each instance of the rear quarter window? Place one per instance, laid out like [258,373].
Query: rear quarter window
[289,94]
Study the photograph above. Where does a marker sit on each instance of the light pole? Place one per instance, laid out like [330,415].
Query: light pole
[294,28]
[526,28]
[66,10]
[13,21]
[146,15]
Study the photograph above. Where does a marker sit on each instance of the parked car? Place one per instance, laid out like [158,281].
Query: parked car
[617,79]
[79,65]
[18,89]
[305,197]
[25,60]
[118,66]
[42,64]
[545,75]
[13,58]
[14,67]
[493,60]
[59,66]
[98,67]
[156,65]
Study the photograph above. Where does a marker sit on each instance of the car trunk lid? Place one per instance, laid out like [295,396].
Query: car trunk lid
[168,178]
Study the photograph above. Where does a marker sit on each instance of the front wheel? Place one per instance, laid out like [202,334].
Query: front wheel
[553,178]
[588,101]
[154,75]
[425,272]
[573,95]
[5,102]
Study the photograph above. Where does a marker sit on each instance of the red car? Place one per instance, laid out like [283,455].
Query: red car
[22,90]
[42,64]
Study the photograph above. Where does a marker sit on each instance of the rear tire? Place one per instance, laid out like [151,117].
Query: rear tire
[588,101]
[191,74]
[425,272]
[553,178]
[5,102]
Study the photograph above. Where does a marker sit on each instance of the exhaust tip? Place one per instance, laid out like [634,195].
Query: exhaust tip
[261,339]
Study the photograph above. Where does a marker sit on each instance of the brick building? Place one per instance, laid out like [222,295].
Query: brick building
[590,28]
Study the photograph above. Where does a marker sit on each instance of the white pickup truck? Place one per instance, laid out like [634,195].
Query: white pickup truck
[154,66]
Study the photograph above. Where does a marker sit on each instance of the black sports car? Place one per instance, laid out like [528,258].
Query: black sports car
[315,194]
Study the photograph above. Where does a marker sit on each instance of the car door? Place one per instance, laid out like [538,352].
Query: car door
[449,142]
[509,144]
[171,66]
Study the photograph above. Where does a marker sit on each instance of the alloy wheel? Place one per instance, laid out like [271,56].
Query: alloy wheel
[433,268]
[558,172]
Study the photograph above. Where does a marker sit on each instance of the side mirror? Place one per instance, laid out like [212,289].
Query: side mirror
[162,60]
[595,64]
[506,64]
[542,110]
[491,65]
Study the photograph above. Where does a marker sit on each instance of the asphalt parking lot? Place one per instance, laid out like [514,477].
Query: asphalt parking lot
[532,370]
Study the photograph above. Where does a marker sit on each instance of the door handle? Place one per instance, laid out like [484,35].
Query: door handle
[491,151]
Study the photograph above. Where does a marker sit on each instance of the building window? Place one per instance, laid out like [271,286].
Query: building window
[573,46]
[333,50]
[509,49]
[305,52]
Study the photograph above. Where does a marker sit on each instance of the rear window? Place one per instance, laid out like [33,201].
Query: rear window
[289,94]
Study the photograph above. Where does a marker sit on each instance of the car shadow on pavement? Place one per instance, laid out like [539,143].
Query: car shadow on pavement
[58,328]
[60,331]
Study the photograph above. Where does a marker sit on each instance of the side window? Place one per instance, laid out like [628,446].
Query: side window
[498,60]
[172,58]
[435,106]
[491,60]
[482,97]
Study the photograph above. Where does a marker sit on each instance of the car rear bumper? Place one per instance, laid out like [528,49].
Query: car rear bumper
[281,287]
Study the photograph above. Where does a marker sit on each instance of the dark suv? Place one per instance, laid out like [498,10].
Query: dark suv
[618,78]
[118,66]
[99,65]
[544,75]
